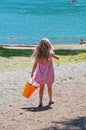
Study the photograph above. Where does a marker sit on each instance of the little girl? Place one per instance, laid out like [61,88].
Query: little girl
[43,68]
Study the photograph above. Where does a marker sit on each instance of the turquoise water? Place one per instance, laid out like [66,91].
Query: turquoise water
[27,21]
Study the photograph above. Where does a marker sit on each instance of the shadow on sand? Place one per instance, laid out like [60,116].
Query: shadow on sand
[73,124]
[37,109]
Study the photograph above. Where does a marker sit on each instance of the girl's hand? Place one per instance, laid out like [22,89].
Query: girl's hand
[56,57]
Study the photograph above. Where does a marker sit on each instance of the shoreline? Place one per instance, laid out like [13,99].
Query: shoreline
[55,46]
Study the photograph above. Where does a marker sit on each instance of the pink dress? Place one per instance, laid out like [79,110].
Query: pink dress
[44,73]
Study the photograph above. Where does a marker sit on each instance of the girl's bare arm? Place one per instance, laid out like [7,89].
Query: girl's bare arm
[55,56]
[33,68]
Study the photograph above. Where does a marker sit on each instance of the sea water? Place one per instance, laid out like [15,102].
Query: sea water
[28,21]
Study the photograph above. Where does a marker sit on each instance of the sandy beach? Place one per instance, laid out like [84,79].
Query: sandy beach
[69,94]
[59,46]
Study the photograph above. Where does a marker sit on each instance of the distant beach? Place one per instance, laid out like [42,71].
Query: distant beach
[57,46]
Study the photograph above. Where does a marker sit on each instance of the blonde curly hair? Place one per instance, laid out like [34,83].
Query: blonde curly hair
[43,49]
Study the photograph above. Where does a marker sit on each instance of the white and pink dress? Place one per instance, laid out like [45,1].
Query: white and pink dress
[44,73]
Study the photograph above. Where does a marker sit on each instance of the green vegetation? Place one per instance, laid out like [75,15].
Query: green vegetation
[5,52]
[12,59]
[70,56]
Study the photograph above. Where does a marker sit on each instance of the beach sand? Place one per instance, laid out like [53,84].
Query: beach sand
[69,94]
[58,46]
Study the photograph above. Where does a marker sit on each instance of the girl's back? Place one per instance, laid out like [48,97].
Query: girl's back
[45,71]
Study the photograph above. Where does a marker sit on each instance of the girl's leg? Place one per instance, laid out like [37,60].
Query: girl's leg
[50,92]
[41,90]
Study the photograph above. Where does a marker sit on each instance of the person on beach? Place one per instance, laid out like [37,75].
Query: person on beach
[43,70]
[73,1]
[82,42]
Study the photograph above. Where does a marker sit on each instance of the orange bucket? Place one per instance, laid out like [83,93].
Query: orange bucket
[28,90]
